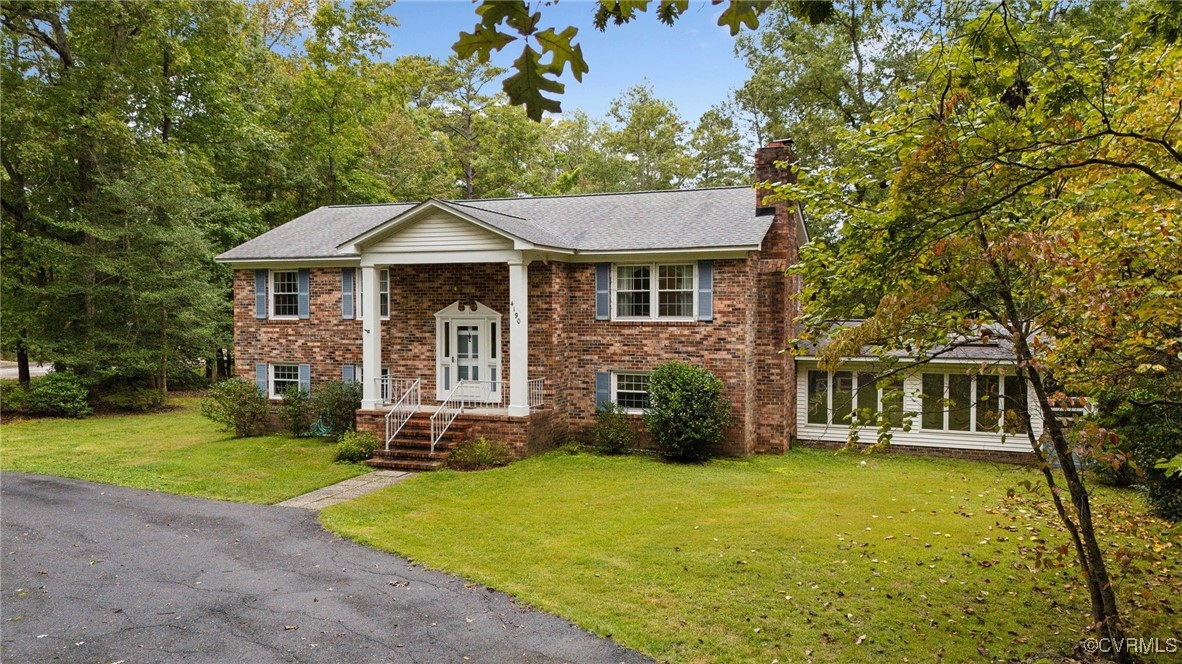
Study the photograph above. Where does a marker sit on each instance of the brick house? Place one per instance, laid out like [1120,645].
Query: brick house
[514,318]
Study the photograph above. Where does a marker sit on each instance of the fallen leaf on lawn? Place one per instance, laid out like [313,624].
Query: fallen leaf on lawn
[860,640]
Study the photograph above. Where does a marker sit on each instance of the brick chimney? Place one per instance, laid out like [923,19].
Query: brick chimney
[772,167]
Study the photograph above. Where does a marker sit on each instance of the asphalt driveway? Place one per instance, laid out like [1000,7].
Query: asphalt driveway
[96,573]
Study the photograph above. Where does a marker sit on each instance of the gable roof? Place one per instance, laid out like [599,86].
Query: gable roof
[676,219]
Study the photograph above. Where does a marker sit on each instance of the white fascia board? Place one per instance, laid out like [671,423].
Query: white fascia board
[279,263]
[662,254]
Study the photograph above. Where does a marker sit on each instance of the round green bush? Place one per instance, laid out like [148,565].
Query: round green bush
[353,447]
[480,454]
[59,393]
[687,411]
[237,405]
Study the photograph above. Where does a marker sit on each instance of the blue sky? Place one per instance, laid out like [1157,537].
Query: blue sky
[692,64]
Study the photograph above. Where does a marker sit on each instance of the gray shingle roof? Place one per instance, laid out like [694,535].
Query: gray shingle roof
[638,221]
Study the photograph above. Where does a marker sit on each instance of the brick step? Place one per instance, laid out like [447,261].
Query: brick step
[420,442]
[404,464]
[440,453]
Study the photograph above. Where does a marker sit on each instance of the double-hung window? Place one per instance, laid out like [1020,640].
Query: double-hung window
[285,294]
[654,291]
[383,294]
[630,390]
[284,377]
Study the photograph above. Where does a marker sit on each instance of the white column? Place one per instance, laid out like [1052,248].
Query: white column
[518,337]
[371,339]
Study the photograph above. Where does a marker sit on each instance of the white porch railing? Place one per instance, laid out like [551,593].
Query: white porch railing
[391,389]
[446,413]
[536,386]
[481,393]
[406,406]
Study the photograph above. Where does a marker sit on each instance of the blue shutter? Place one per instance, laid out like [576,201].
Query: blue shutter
[306,377]
[260,293]
[603,388]
[347,372]
[603,291]
[260,375]
[347,293]
[705,290]
[303,293]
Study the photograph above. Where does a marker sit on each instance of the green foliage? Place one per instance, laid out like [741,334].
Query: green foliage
[687,411]
[613,432]
[353,447]
[649,137]
[1149,433]
[177,451]
[60,394]
[14,397]
[237,405]
[129,398]
[479,454]
[335,403]
[295,412]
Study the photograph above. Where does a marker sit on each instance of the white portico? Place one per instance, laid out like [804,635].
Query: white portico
[468,360]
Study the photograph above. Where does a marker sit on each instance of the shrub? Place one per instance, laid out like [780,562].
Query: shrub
[613,433]
[129,398]
[1149,432]
[353,447]
[480,454]
[687,411]
[237,405]
[14,398]
[59,393]
[296,411]
[336,404]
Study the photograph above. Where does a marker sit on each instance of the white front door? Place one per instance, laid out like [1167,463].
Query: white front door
[468,356]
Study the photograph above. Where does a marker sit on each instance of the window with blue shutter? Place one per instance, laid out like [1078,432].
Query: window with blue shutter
[304,290]
[706,290]
[260,374]
[347,297]
[260,293]
[347,373]
[306,377]
[603,291]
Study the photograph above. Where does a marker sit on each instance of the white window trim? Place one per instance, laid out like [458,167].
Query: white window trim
[271,377]
[359,293]
[973,401]
[654,292]
[271,274]
[615,389]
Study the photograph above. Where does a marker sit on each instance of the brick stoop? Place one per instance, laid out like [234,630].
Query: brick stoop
[411,448]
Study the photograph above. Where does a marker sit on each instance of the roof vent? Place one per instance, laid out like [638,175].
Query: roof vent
[765,211]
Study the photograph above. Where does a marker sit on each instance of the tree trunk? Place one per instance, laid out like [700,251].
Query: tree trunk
[22,363]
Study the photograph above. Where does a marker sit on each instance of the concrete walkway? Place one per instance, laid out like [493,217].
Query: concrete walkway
[347,490]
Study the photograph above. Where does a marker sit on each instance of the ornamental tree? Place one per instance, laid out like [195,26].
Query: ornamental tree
[1030,192]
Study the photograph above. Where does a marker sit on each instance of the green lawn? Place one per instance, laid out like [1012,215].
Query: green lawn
[807,556]
[176,451]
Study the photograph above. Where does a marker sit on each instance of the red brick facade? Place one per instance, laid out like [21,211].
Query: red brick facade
[753,310]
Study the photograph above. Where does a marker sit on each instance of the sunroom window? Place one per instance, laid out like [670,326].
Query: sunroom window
[841,397]
[984,403]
